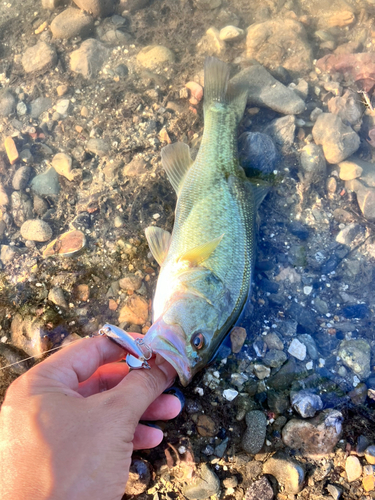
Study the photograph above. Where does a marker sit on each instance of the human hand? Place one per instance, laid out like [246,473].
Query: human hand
[62,437]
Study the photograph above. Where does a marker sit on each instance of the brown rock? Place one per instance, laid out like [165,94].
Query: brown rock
[368,483]
[29,335]
[98,8]
[11,150]
[66,244]
[39,58]
[289,473]
[130,282]
[349,170]
[206,426]
[82,292]
[341,19]
[70,23]
[155,56]
[237,338]
[135,310]
[135,168]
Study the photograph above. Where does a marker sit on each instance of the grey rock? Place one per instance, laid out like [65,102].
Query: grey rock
[297,256]
[338,140]
[365,197]
[348,107]
[220,448]
[315,437]
[275,358]
[2,228]
[28,334]
[265,90]
[356,355]
[39,106]
[257,151]
[46,184]
[15,357]
[304,316]
[350,232]
[260,490]
[310,344]
[289,473]
[89,58]
[70,23]
[21,108]
[313,167]
[99,147]
[203,486]
[306,403]
[282,131]
[26,156]
[7,103]
[62,107]
[98,8]
[334,491]
[56,295]
[40,206]
[285,376]
[255,434]
[21,178]
[36,230]
[39,58]
[278,401]
[22,208]
[116,37]
[273,341]
[7,254]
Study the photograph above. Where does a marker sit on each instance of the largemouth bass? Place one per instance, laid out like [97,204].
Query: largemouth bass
[207,262]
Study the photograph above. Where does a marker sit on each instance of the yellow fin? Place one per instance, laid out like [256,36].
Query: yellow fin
[176,161]
[158,240]
[201,253]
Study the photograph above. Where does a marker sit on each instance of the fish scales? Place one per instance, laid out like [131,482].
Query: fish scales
[207,262]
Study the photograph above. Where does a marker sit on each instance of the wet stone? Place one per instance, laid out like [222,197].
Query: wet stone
[140,475]
[66,244]
[261,371]
[36,230]
[231,33]
[334,491]
[203,486]
[298,229]
[206,426]
[15,357]
[130,282]
[313,167]
[257,151]
[297,349]
[370,454]
[273,341]
[155,56]
[274,358]
[39,106]
[282,130]
[207,4]
[349,170]
[98,8]
[353,468]
[314,437]
[7,254]
[56,295]
[348,107]
[306,403]
[285,376]
[39,58]
[99,147]
[21,178]
[289,473]
[356,355]
[70,23]
[46,184]
[260,489]
[237,339]
[89,58]
[28,334]
[255,434]
[278,402]
[304,316]
[134,310]
[62,163]
[7,103]
[359,311]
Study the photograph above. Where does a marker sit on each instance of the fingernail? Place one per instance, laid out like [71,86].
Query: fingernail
[175,391]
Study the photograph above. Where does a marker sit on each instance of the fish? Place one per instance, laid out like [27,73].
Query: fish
[207,262]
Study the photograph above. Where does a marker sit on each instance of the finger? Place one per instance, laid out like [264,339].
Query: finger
[77,362]
[146,437]
[105,378]
[164,407]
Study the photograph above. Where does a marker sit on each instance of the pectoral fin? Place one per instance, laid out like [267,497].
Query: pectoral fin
[158,240]
[260,190]
[201,253]
[176,161]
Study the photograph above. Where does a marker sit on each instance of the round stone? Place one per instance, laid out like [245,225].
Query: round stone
[36,230]
[155,56]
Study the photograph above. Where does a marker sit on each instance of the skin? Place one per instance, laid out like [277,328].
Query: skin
[69,425]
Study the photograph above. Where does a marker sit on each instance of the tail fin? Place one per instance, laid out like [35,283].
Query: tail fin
[218,88]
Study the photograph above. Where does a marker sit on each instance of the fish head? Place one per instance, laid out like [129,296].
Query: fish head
[187,333]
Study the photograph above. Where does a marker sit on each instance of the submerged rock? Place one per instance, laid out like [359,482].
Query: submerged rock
[98,8]
[257,151]
[15,357]
[66,244]
[29,335]
[282,130]
[39,58]
[313,167]
[46,184]
[306,403]
[70,23]
[89,58]
[289,473]
[255,434]
[348,107]
[356,355]
[36,230]
[315,437]
[155,56]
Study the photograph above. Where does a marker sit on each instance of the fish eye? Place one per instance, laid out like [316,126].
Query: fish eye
[197,341]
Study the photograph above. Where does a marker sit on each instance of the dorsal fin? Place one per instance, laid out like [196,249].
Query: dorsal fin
[201,253]
[176,161]
[158,240]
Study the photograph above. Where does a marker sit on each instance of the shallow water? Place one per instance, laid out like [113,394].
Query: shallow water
[110,116]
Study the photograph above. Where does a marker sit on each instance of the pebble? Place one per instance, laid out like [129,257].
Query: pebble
[315,437]
[273,341]
[257,151]
[313,167]
[21,108]
[82,292]
[7,254]
[15,357]
[303,316]
[46,184]
[237,339]
[353,468]
[349,233]
[202,486]
[99,147]
[22,208]
[349,170]
[62,90]
[70,23]
[297,349]
[130,282]
[259,490]
[220,449]
[36,230]
[230,394]
[274,358]
[39,106]
[261,371]
[338,140]
[7,103]
[230,33]
[310,344]
[289,473]
[66,244]
[134,310]
[265,90]
[306,403]
[334,491]
[211,43]
[196,92]
[356,355]
[116,37]
[276,42]
[39,58]
[21,178]
[255,434]
[206,426]
[98,8]
[155,56]
[56,295]
[28,334]
[11,150]
[89,58]
[348,107]
[282,130]
[298,229]
[368,483]
[62,163]
[370,454]
[62,107]
[140,475]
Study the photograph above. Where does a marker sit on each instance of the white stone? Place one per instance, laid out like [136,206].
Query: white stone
[297,349]
[230,394]
[181,450]
[307,290]
[309,365]
[62,106]
[4,339]
[230,33]
[199,391]
[356,381]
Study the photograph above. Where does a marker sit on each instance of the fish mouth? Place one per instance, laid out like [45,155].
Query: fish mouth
[169,342]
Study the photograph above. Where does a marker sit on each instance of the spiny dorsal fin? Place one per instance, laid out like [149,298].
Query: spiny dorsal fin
[158,240]
[201,253]
[176,161]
